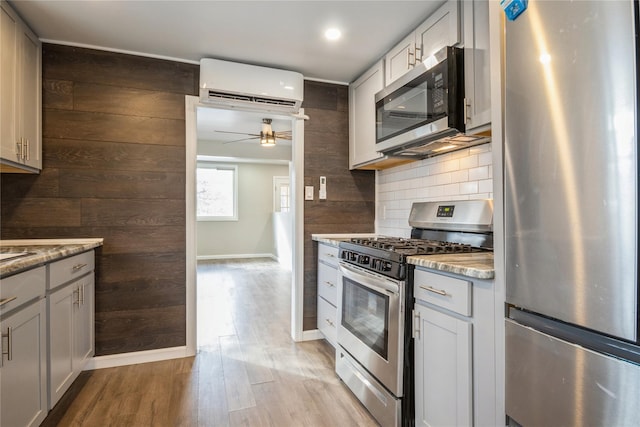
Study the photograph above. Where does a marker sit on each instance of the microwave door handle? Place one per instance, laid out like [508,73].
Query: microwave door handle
[373,283]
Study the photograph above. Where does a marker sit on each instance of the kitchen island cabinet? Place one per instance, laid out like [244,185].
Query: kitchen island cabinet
[455,361]
[23,368]
[20,95]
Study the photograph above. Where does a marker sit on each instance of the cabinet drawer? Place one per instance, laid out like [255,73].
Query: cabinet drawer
[328,254]
[328,283]
[70,268]
[21,288]
[444,291]
[327,321]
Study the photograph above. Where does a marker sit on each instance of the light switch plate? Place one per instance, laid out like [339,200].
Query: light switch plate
[308,192]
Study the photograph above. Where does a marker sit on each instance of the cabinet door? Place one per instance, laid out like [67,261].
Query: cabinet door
[8,76]
[84,323]
[477,78]
[362,116]
[399,59]
[441,29]
[29,97]
[62,307]
[327,315]
[443,358]
[23,378]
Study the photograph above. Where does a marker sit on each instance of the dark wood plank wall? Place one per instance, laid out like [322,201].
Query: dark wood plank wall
[114,167]
[350,204]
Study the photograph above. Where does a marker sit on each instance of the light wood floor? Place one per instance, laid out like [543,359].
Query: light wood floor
[247,372]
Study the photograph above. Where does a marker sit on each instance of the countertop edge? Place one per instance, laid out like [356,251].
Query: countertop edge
[335,239]
[477,268]
[59,248]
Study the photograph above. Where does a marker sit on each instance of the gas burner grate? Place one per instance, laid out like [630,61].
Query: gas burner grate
[414,246]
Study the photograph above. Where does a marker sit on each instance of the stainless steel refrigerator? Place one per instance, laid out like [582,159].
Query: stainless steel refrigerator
[571,214]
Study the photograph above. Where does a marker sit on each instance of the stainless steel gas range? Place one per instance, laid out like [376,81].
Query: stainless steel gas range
[374,356]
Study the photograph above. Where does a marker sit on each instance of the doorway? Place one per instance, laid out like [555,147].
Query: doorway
[296,164]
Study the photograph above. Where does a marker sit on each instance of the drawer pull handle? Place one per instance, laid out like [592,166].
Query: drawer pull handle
[329,322]
[78,267]
[331,285]
[9,336]
[76,296]
[435,291]
[4,301]
[330,255]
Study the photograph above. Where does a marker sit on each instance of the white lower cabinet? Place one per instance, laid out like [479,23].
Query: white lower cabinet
[23,394]
[47,324]
[443,357]
[327,291]
[71,333]
[455,350]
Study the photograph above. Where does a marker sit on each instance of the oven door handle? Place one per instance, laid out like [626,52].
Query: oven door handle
[377,284]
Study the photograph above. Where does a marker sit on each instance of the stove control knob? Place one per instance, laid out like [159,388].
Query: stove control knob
[363,259]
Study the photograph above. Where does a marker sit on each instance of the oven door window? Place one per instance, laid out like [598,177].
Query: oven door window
[365,313]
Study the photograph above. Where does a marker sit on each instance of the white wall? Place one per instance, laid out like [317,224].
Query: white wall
[461,175]
[253,233]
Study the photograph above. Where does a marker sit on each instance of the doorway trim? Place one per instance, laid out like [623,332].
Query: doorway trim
[296,174]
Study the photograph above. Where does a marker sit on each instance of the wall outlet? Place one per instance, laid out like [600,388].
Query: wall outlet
[322,194]
[308,192]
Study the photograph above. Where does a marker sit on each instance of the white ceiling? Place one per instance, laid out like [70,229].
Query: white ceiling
[279,34]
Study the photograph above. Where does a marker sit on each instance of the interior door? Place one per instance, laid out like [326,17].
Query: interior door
[281,194]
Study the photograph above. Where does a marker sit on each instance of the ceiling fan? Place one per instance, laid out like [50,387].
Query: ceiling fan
[266,136]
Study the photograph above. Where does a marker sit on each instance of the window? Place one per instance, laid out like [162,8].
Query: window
[217,192]
[284,199]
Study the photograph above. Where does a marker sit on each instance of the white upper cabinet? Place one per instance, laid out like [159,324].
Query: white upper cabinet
[20,94]
[441,29]
[400,59]
[362,116]
[476,66]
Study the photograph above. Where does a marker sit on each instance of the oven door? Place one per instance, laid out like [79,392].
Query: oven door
[371,323]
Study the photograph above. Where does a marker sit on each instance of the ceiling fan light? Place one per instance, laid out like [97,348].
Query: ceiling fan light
[267,139]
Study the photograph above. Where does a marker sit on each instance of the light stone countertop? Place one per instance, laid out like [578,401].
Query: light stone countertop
[38,252]
[335,239]
[478,265]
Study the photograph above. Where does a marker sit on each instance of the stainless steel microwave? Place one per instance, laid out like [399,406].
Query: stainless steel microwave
[422,113]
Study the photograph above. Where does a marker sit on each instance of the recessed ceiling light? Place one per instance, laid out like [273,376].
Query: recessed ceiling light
[332,34]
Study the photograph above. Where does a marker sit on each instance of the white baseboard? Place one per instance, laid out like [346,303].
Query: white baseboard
[133,358]
[311,335]
[235,256]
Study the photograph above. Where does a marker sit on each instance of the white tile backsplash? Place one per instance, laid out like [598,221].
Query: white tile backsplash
[461,175]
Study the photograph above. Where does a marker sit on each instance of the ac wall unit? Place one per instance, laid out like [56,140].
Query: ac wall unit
[232,84]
